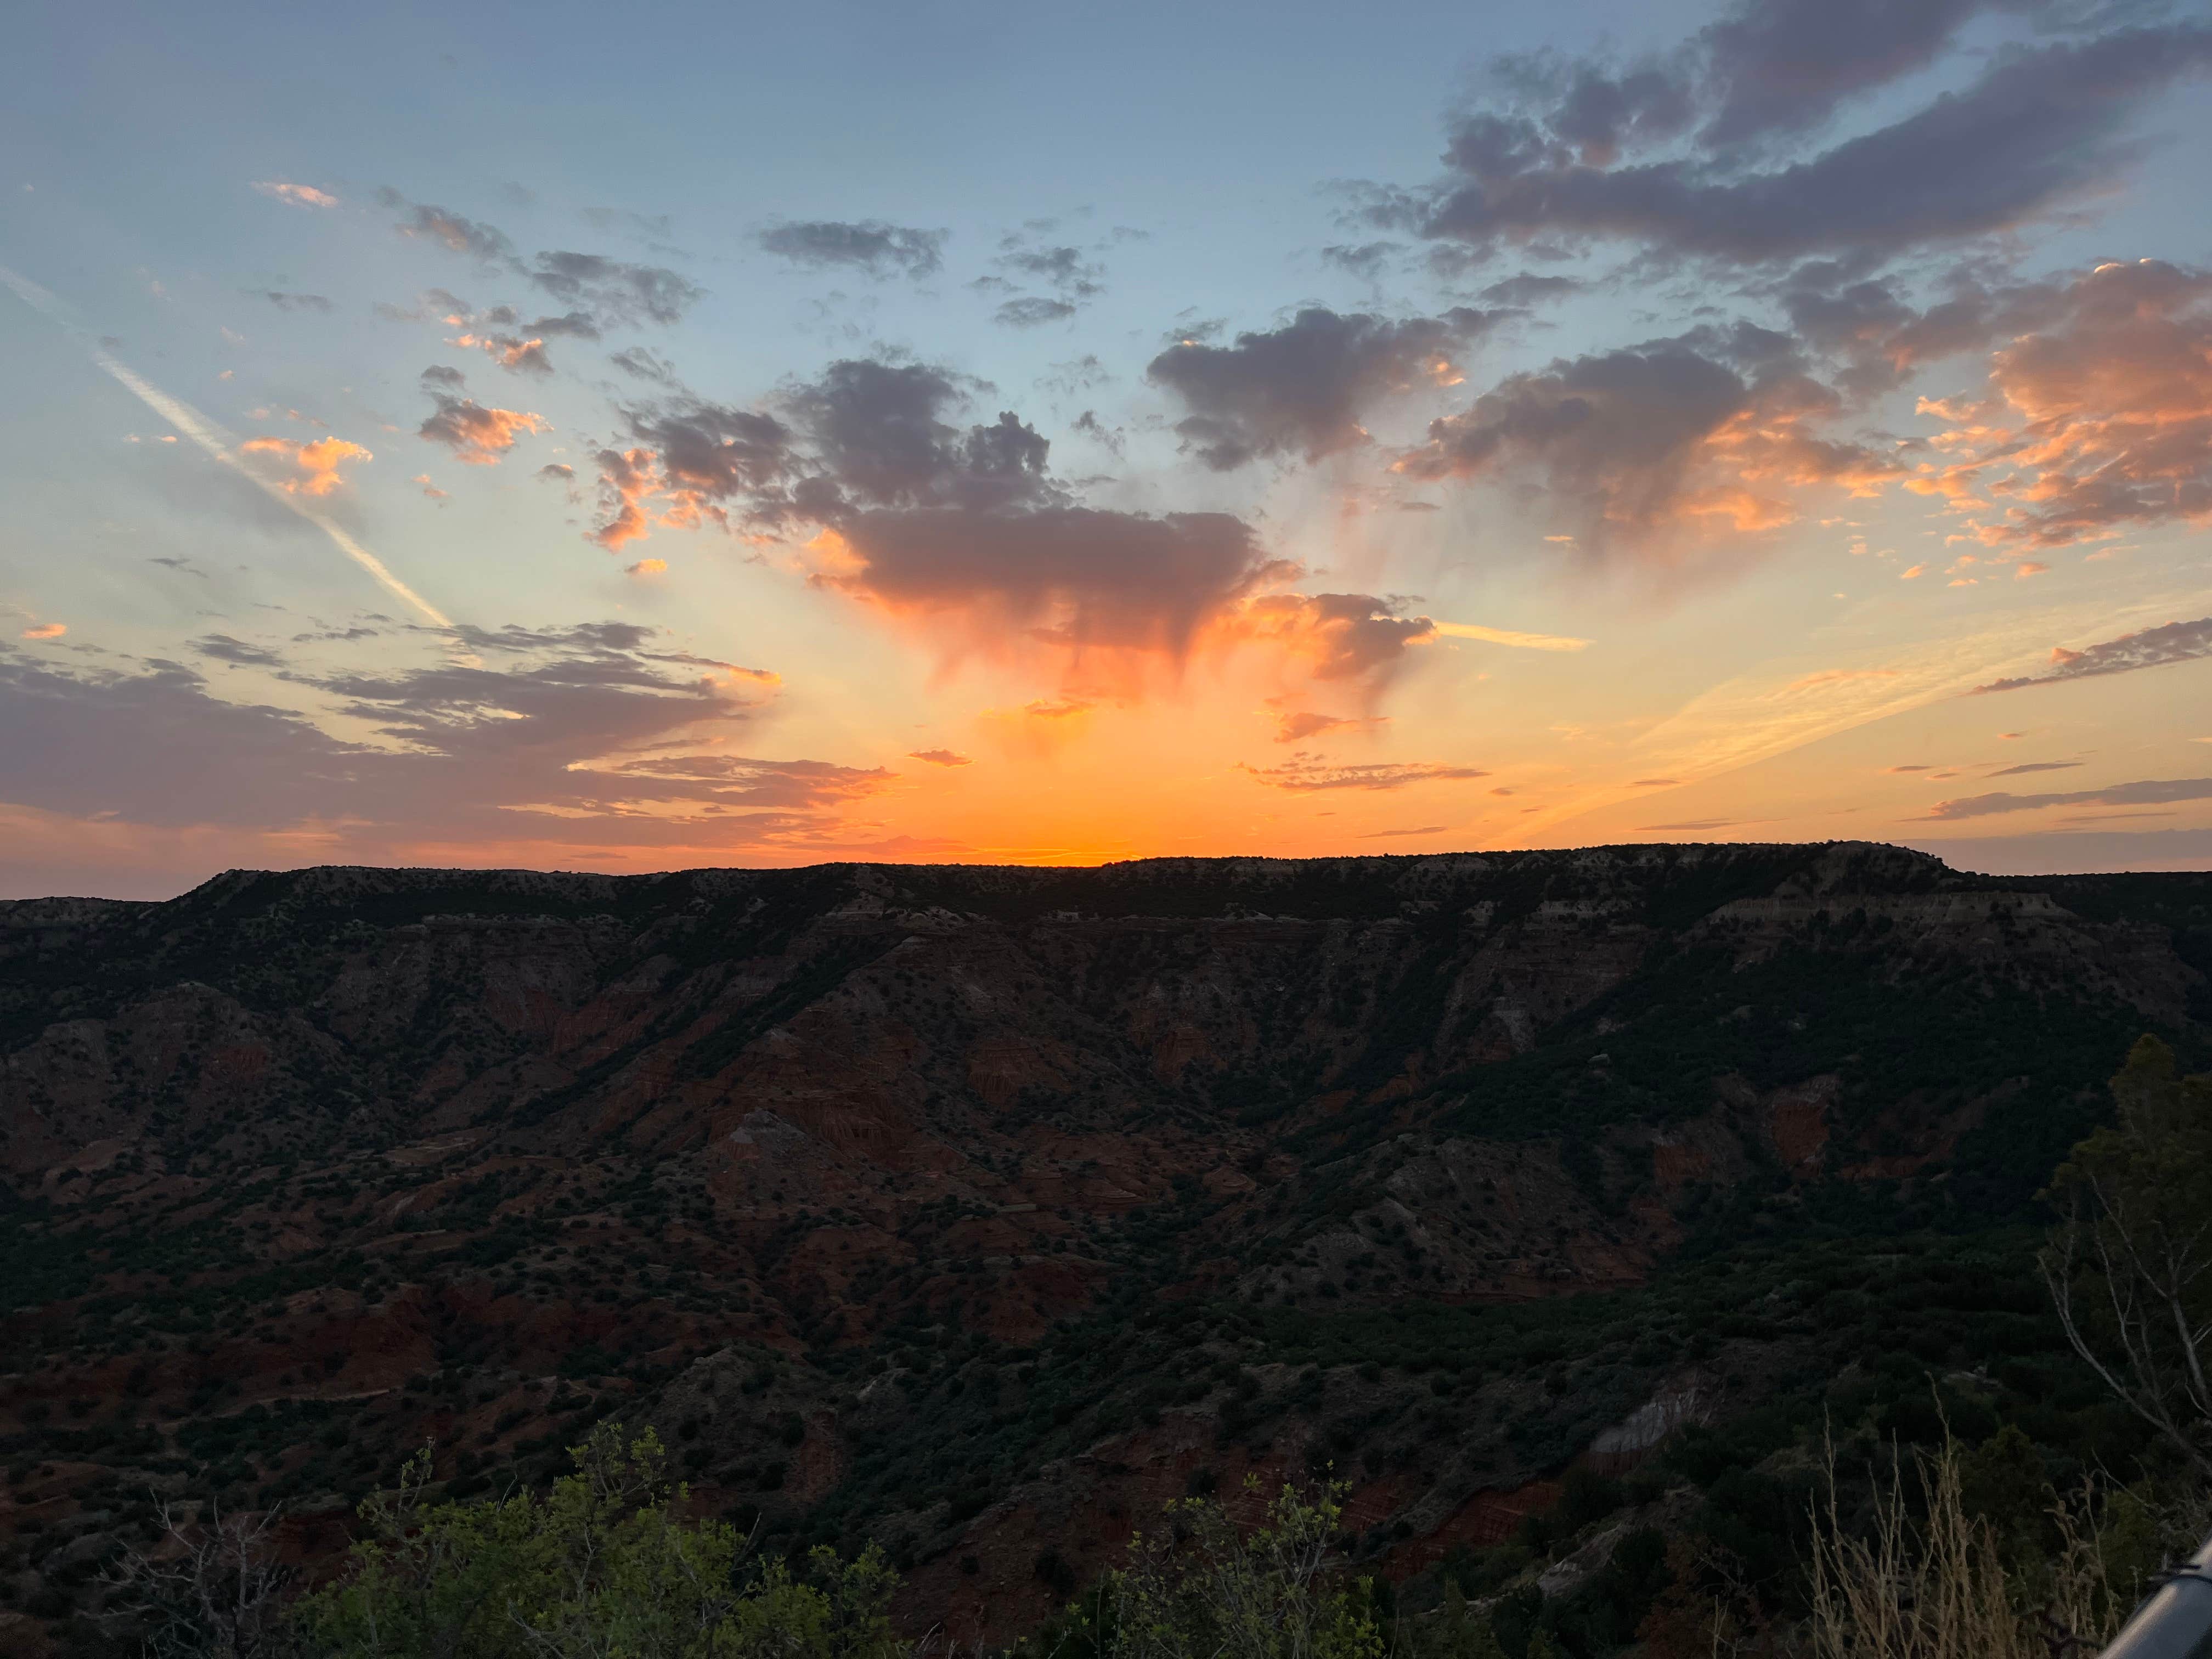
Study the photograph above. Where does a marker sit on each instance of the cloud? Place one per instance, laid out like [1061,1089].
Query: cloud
[1508,637]
[557,470]
[603,290]
[454,232]
[1302,388]
[627,480]
[959,528]
[869,245]
[1528,289]
[1365,261]
[1576,151]
[1073,577]
[2150,792]
[2147,647]
[701,457]
[2102,419]
[1296,725]
[940,756]
[1339,637]
[509,351]
[223,648]
[574,324]
[51,630]
[1305,773]
[284,301]
[443,375]
[2035,766]
[617,290]
[641,364]
[304,196]
[594,734]
[313,467]
[1064,268]
[1635,443]
[644,567]
[1421,830]
[477,435]
[1033,312]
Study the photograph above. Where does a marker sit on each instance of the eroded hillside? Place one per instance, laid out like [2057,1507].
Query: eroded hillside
[977,1210]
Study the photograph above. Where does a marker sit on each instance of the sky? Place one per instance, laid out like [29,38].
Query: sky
[737,435]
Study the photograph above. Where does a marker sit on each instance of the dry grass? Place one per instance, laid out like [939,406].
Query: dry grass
[1940,1586]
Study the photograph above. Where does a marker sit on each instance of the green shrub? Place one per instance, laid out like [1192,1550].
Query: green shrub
[604,1563]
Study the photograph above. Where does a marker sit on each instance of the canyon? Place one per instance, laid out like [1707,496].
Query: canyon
[979,1211]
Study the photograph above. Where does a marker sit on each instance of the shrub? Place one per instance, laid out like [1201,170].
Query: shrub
[603,1564]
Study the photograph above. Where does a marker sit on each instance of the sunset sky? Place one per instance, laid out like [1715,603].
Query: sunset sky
[624,439]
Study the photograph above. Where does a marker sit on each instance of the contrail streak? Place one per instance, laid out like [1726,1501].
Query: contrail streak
[220,444]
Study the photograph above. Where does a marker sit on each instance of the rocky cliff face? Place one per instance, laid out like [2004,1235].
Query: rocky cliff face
[977,1209]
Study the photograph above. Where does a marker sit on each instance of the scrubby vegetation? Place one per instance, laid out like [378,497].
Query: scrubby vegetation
[1567,1212]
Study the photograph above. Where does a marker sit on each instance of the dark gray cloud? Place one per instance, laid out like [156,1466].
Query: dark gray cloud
[1031,310]
[1783,66]
[644,365]
[2149,792]
[615,289]
[284,301]
[576,731]
[574,324]
[484,243]
[1064,268]
[867,245]
[1302,388]
[2039,128]
[2147,647]
[1633,441]
[1072,576]
[222,647]
[881,437]
[936,515]
[600,291]
[1527,288]
[443,375]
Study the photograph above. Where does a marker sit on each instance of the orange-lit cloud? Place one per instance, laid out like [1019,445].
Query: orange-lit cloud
[509,351]
[627,481]
[1508,637]
[1305,773]
[2101,419]
[297,194]
[1332,636]
[314,467]
[478,435]
[1295,724]
[1662,443]
[940,756]
[646,568]
[45,631]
